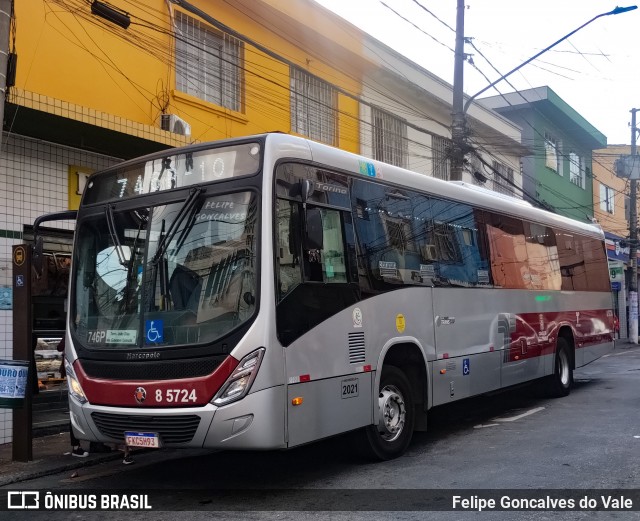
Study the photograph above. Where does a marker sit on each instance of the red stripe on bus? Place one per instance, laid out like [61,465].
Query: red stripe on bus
[155,393]
[536,333]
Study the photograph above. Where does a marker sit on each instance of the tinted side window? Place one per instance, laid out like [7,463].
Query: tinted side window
[542,257]
[583,262]
[509,267]
[596,265]
[571,258]
[409,238]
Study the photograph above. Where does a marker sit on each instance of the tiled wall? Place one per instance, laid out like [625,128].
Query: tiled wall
[33,180]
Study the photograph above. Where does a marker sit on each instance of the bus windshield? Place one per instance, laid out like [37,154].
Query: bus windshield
[165,275]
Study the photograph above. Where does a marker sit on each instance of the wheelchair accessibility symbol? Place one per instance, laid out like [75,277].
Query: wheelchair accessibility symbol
[154,331]
[465,367]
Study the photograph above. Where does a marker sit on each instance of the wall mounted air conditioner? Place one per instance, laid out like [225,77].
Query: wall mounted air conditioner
[429,252]
[175,124]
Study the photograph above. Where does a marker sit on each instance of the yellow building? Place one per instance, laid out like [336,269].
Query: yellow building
[610,192]
[611,210]
[76,65]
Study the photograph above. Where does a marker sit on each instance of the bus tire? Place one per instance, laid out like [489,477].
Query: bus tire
[392,435]
[562,377]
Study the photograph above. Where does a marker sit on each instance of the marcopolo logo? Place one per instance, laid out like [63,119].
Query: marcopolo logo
[140,395]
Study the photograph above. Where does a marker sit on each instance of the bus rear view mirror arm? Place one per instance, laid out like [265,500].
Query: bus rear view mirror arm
[37,239]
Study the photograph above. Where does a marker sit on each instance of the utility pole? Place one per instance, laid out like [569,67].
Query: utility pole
[633,242]
[459,107]
[458,118]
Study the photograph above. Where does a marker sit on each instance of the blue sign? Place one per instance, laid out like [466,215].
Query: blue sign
[367,168]
[616,286]
[154,331]
[20,280]
[6,297]
[466,369]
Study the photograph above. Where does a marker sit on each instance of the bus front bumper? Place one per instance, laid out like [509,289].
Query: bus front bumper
[255,422]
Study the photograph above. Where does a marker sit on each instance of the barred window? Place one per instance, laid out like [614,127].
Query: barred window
[389,138]
[576,169]
[208,63]
[399,236]
[313,107]
[607,201]
[441,157]
[446,241]
[502,178]
[553,159]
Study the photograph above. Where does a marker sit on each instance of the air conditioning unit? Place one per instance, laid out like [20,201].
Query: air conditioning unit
[429,252]
[175,124]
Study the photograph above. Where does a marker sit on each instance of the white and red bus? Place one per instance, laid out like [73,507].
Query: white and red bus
[269,291]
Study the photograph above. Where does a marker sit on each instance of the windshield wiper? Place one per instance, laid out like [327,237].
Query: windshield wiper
[111,224]
[165,239]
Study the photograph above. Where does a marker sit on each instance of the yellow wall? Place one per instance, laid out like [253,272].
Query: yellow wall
[603,172]
[74,56]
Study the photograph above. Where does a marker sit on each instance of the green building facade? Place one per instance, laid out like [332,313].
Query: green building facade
[559,171]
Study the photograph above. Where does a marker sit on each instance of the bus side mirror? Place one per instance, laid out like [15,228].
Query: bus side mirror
[313,236]
[306,189]
[36,258]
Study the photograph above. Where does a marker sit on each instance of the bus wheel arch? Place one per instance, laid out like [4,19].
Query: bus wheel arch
[564,363]
[401,402]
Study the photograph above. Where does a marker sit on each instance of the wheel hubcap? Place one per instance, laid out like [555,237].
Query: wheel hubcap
[392,413]
[563,368]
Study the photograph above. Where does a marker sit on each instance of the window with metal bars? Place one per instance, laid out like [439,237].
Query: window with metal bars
[445,239]
[399,234]
[502,178]
[314,104]
[576,169]
[389,138]
[553,158]
[441,157]
[607,201]
[208,63]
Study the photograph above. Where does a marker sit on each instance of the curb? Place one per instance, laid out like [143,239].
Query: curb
[27,475]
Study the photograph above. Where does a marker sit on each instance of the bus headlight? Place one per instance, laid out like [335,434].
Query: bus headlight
[239,382]
[75,389]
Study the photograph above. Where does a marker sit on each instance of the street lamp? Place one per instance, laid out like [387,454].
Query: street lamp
[459,111]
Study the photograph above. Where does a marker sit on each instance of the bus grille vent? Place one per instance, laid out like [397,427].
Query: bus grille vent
[172,429]
[357,353]
[151,370]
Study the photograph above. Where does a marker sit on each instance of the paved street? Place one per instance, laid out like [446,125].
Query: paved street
[513,440]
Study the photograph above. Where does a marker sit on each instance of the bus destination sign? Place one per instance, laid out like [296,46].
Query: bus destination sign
[173,171]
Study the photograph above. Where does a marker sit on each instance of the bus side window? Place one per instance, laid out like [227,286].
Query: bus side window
[332,253]
[324,258]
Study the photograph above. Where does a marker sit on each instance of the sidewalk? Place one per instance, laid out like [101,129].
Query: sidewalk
[48,458]
[624,343]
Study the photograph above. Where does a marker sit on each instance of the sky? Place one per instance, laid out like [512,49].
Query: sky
[596,71]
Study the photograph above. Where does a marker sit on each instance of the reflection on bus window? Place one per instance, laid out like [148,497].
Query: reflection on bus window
[410,238]
[187,267]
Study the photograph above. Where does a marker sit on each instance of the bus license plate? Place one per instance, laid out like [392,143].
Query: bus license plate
[142,439]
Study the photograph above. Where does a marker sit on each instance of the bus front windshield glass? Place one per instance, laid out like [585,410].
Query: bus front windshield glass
[172,274]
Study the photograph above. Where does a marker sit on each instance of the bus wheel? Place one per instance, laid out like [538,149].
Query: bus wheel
[391,436]
[562,378]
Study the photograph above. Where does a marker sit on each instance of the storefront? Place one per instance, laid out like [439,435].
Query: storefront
[618,255]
